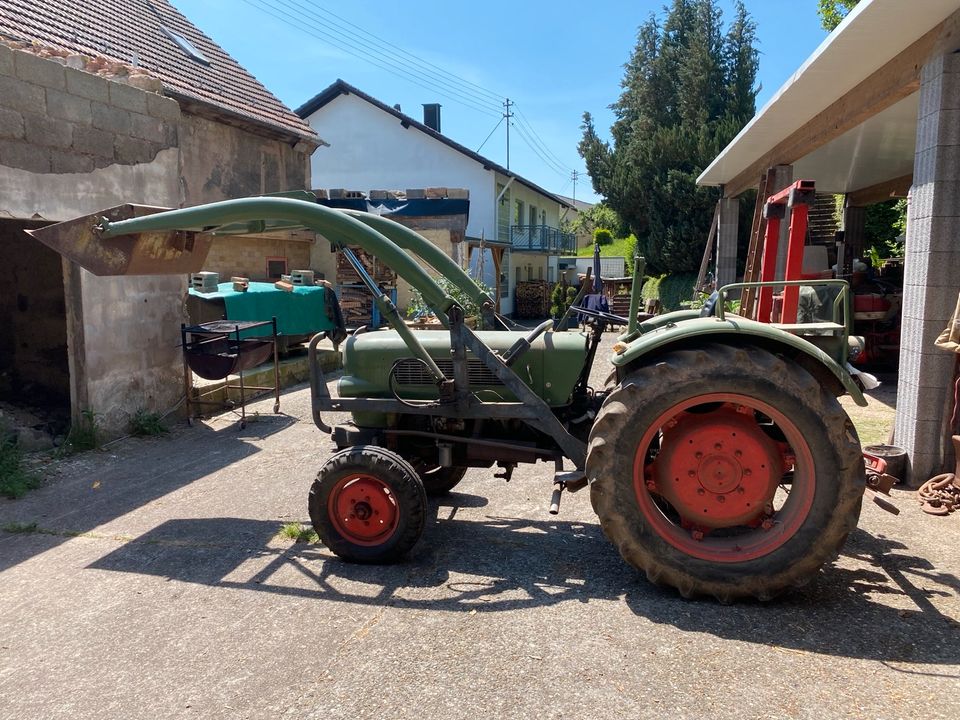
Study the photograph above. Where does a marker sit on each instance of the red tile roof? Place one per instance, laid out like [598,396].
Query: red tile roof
[131,31]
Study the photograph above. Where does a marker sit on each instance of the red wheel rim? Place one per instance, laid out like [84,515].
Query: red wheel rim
[711,490]
[363,509]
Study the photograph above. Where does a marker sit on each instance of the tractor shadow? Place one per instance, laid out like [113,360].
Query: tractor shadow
[501,564]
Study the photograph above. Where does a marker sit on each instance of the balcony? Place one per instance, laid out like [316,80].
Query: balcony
[542,238]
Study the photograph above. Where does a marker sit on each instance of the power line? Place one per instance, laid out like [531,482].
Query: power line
[287,19]
[557,168]
[479,88]
[381,47]
[491,134]
[523,118]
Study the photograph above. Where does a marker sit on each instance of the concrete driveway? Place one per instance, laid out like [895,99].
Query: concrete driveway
[148,580]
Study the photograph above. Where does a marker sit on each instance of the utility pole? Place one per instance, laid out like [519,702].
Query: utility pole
[574,175]
[508,115]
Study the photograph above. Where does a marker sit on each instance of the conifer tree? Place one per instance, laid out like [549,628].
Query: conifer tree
[688,88]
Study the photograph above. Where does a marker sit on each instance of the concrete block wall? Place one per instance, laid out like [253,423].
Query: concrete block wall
[246,256]
[57,119]
[930,284]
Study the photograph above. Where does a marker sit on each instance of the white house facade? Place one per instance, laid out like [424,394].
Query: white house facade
[371,145]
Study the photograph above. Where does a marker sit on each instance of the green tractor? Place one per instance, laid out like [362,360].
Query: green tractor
[718,458]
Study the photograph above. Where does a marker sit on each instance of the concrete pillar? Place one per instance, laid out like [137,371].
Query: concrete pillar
[782,177]
[931,281]
[727,241]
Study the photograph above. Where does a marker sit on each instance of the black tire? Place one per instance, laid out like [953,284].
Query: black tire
[368,505]
[438,480]
[653,536]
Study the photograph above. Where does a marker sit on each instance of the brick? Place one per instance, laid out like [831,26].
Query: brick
[68,107]
[67,162]
[87,85]
[40,71]
[18,95]
[130,150]
[163,108]
[128,98]
[17,154]
[11,124]
[106,117]
[146,127]
[90,141]
[43,130]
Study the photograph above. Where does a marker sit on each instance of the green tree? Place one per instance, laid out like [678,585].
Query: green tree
[688,88]
[832,12]
[599,216]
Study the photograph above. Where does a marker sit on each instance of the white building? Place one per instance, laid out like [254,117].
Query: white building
[372,145]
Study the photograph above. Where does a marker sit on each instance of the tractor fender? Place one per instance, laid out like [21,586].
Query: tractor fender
[683,331]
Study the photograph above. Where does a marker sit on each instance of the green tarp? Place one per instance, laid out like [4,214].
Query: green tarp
[300,312]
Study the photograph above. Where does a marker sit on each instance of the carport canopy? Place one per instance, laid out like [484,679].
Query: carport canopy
[847,118]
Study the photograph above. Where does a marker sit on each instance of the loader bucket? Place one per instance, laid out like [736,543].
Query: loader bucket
[163,252]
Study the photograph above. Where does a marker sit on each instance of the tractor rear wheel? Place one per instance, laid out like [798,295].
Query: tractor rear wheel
[725,471]
[368,505]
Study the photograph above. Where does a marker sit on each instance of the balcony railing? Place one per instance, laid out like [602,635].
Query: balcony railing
[542,238]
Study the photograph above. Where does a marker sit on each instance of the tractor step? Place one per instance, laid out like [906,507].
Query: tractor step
[571,481]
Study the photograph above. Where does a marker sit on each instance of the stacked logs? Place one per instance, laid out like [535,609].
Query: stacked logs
[356,303]
[533,299]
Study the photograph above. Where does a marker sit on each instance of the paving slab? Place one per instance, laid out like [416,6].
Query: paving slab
[148,580]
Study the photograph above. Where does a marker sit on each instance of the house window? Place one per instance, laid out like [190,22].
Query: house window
[276,266]
[533,215]
[518,213]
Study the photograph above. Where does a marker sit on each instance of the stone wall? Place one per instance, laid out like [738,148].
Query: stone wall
[56,119]
[73,143]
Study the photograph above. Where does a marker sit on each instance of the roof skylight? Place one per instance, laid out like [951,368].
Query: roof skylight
[188,47]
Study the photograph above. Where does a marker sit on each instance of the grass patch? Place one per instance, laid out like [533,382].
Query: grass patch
[147,424]
[15,478]
[83,435]
[16,527]
[298,533]
[620,247]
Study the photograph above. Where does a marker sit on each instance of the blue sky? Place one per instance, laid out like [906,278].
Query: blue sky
[553,59]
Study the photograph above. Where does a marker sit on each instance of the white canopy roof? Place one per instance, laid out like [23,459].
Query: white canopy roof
[880,148]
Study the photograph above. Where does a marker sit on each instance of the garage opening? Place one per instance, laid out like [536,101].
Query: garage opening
[34,365]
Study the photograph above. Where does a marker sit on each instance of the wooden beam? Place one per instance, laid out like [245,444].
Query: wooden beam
[896,80]
[897,187]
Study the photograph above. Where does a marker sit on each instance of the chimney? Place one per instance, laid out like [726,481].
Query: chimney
[431,116]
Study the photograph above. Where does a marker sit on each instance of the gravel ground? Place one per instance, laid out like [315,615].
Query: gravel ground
[149,580]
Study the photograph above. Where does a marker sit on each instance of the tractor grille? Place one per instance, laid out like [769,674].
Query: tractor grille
[413,372]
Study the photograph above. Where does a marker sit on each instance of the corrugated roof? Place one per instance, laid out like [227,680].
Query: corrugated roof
[131,31]
[873,33]
[340,87]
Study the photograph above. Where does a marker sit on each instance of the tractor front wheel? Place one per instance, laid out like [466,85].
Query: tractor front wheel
[368,505]
[725,471]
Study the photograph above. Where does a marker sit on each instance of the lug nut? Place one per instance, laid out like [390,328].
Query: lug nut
[697,535]
[721,499]
[651,486]
[738,453]
[718,446]
[698,455]
[691,473]
[767,524]
[701,491]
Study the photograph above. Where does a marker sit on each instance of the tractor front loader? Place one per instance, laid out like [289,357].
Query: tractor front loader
[718,458]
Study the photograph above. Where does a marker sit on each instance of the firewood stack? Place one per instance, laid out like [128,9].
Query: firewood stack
[533,299]
[356,302]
